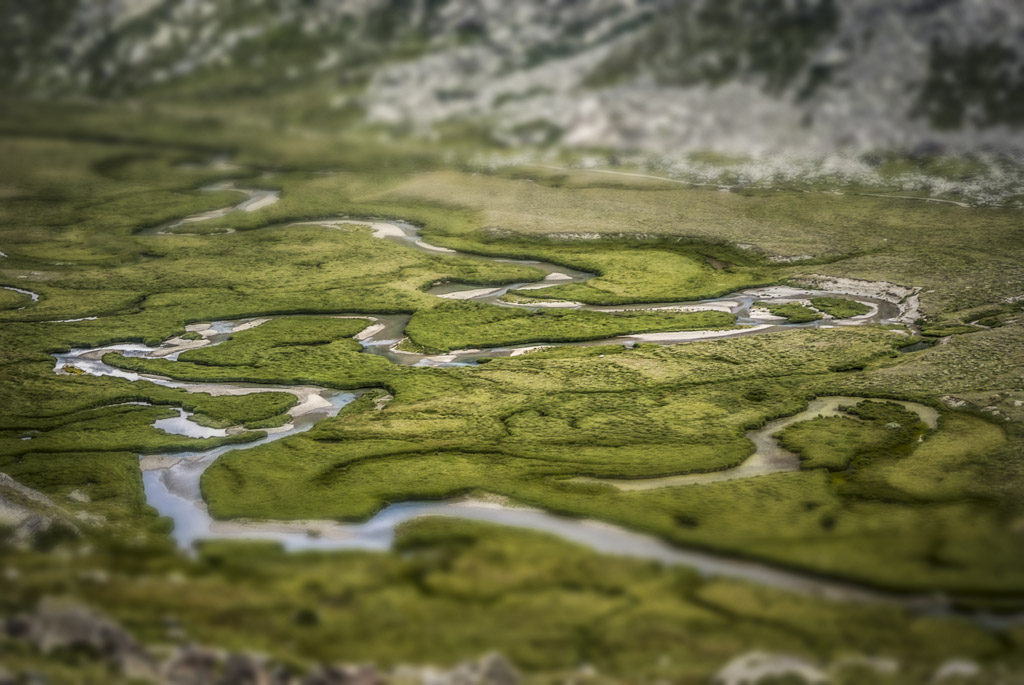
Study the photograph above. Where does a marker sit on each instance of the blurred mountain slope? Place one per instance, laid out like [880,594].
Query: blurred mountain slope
[744,76]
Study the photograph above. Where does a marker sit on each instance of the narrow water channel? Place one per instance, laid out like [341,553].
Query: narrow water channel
[172,481]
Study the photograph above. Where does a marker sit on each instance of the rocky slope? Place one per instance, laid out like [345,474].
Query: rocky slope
[737,75]
[78,635]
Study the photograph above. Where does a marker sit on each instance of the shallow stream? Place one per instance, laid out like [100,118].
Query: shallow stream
[172,481]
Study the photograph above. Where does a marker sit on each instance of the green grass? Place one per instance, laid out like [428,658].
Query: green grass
[794,312]
[459,589]
[284,335]
[941,330]
[10,299]
[873,431]
[840,308]
[994,316]
[960,258]
[519,427]
[127,428]
[461,325]
[636,273]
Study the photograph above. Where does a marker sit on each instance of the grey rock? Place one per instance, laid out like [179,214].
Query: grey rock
[54,627]
[629,74]
[33,678]
[31,514]
[344,675]
[77,495]
[497,670]
[247,669]
[191,665]
[492,669]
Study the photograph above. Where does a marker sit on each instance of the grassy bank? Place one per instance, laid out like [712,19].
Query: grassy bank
[461,325]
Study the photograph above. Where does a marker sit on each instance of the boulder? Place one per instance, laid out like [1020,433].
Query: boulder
[497,670]
[191,665]
[55,628]
[344,675]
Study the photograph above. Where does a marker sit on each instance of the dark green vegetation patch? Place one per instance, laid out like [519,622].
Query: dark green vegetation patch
[461,325]
[872,431]
[840,308]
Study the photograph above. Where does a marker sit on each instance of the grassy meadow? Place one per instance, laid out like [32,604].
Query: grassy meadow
[880,500]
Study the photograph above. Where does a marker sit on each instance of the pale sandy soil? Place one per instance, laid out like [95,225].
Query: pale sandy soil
[535,286]
[693,335]
[753,667]
[435,248]
[380,229]
[369,332]
[764,315]
[907,299]
[526,350]
[178,345]
[725,306]
[308,402]
[249,324]
[469,294]
[259,201]
[546,304]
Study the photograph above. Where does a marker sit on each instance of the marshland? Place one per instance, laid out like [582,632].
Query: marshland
[285,383]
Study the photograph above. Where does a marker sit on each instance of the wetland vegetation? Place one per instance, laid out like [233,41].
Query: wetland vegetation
[792,312]
[880,500]
[458,325]
[840,308]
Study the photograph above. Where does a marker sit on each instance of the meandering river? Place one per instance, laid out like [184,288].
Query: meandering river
[172,481]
